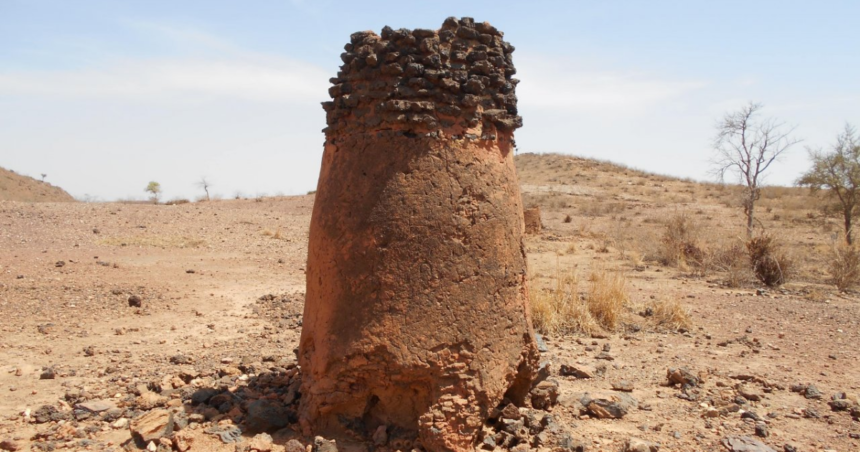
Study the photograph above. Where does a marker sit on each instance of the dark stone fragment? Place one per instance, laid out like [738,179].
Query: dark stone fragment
[482,68]
[347,57]
[467,33]
[203,395]
[430,45]
[473,86]
[840,405]
[568,444]
[486,28]
[811,392]
[48,413]
[361,37]
[423,33]
[392,69]
[751,415]
[450,22]
[761,430]
[476,56]
[446,35]
[545,395]
[265,415]
[134,301]
[386,32]
[432,61]
[413,70]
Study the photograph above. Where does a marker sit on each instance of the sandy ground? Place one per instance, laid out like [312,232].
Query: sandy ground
[203,272]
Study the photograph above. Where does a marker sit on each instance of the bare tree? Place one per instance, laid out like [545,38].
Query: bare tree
[838,172]
[204,184]
[44,176]
[746,146]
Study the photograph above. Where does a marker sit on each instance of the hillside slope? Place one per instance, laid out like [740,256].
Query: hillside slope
[15,187]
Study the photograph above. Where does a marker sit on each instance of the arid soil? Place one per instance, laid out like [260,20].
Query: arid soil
[144,308]
[17,187]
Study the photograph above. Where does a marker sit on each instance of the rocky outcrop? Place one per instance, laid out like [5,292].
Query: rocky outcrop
[416,317]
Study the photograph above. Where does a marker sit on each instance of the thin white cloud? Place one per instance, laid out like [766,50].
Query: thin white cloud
[168,80]
[213,69]
[558,83]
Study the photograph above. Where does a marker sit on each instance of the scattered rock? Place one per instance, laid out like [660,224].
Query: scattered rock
[135,301]
[623,385]
[152,426]
[541,343]
[323,445]
[544,395]
[294,446]
[577,370]
[181,359]
[608,406]
[96,406]
[266,415]
[60,264]
[262,442]
[745,444]
[682,376]
[380,436]
[48,413]
[9,445]
[640,445]
[48,374]
[761,430]
[811,392]
[750,393]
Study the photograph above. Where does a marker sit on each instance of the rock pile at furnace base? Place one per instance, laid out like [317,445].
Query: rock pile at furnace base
[416,317]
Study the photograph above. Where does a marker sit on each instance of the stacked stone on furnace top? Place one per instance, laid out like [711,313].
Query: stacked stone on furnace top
[455,83]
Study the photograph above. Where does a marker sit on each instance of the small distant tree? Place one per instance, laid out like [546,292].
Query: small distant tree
[154,189]
[746,146]
[44,176]
[204,184]
[838,171]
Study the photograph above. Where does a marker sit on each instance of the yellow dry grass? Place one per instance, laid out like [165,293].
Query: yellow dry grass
[606,297]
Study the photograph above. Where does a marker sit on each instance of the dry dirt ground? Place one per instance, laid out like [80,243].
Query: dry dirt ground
[220,288]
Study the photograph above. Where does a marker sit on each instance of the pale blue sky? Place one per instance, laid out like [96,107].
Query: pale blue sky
[104,96]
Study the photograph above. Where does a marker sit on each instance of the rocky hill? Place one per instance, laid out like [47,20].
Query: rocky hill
[16,187]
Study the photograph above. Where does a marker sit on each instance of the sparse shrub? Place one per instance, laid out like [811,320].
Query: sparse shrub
[769,264]
[606,297]
[679,243]
[844,266]
[734,261]
[568,219]
[174,202]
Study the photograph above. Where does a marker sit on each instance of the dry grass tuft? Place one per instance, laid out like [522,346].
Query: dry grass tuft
[559,310]
[844,267]
[607,297]
[671,314]
[277,234]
